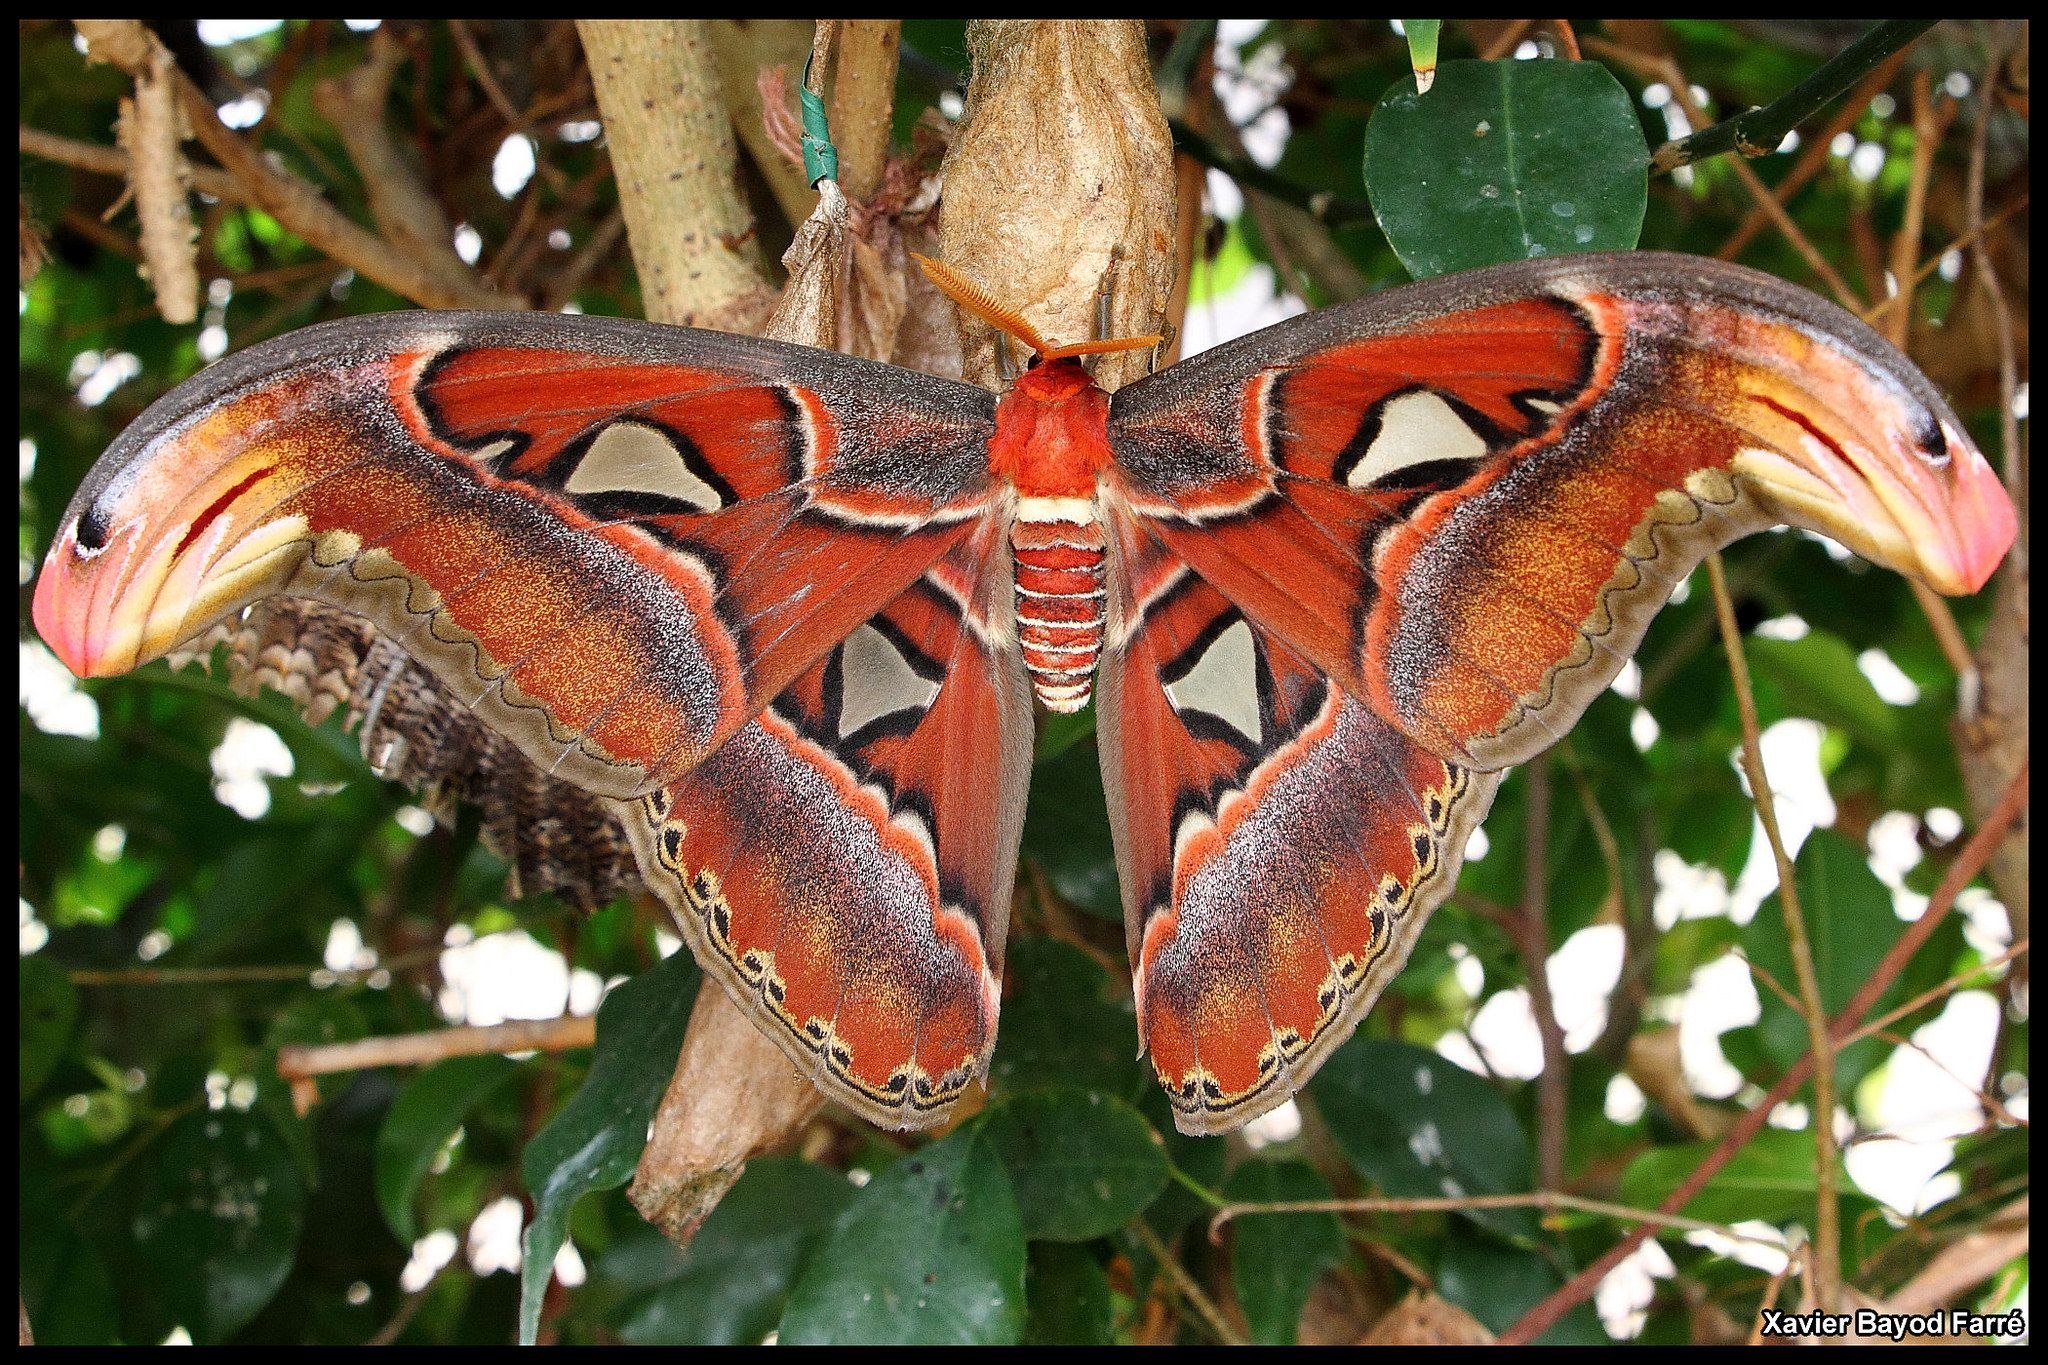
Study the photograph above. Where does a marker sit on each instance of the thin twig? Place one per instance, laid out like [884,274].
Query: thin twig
[1877,310]
[91,156]
[1759,131]
[1816,153]
[562,1034]
[1330,209]
[212,976]
[1552,1083]
[1185,1284]
[1934,993]
[1770,1301]
[473,58]
[1554,1201]
[1681,90]
[1828,1225]
[301,209]
[1967,1261]
[1967,865]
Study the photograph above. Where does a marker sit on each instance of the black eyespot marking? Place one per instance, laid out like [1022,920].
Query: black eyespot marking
[93,529]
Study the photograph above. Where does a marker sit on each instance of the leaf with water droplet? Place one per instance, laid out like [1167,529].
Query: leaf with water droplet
[929,1252]
[1408,1120]
[1491,166]
[1083,1165]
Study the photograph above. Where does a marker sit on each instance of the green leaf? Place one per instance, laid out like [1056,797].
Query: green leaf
[1066,831]
[49,1010]
[1686,947]
[1772,1178]
[929,1252]
[65,1286]
[738,1270]
[1065,1023]
[1497,1284]
[215,1211]
[594,1141]
[1417,1125]
[1082,1164]
[419,1123]
[1069,1296]
[1818,676]
[1276,1258]
[1850,924]
[1503,161]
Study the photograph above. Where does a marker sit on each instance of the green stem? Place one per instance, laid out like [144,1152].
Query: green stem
[1759,131]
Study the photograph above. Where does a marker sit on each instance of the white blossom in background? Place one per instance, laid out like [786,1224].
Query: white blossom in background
[248,754]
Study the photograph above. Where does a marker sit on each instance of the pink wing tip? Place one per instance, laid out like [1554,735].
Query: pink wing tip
[57,615]
[1986,523]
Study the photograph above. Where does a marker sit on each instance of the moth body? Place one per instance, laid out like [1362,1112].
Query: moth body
[1052,443]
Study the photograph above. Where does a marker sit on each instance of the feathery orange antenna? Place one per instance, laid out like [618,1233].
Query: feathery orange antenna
[974,299]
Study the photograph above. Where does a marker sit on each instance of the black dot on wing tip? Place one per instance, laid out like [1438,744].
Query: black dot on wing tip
[92,528]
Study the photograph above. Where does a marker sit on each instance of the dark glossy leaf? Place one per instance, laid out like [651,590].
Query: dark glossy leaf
[49,1011]
[1066,831]
[65,1287]
[599,1134]
[419,1123]
[1065,1022]
[1415,1124]
[1069,1296]
[1082,1164]
[1497,1283]
[736,1274]
[214,1213]
[930,1252]
[1276,1258]
[1502,161]
[1850,924]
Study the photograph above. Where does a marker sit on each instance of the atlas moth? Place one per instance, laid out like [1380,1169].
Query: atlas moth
[788,609]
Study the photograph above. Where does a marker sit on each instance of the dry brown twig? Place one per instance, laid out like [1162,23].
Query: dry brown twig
[298,206]
[1828,1227]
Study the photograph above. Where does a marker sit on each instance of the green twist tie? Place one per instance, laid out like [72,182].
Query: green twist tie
[821,158]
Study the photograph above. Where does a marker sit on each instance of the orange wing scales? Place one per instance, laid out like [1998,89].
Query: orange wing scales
[1280,844]
[788,608]
[844,863]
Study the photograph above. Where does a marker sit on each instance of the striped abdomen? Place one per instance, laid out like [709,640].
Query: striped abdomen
[1059,597]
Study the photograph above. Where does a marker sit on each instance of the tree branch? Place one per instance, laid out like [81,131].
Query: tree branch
[1759,131]
[673,157]
[1828,1226]
[562,1034]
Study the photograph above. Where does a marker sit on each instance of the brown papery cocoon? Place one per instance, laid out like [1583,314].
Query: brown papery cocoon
[1060,185]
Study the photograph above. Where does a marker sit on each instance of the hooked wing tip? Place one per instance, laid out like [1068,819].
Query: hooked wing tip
[1948,525]
[1985,525]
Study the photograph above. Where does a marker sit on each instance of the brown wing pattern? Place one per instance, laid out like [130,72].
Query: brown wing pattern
[1368,559]
[1280,844]
[844,863]
[615,541]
